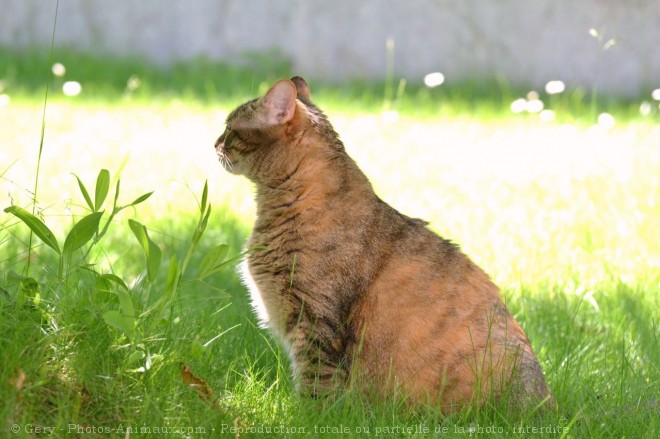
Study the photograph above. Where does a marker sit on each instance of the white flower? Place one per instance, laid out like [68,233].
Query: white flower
[547,116]
[434,79]
[133,83]
[555,87]
[58,69]
[655,94]
[606,120]
[71,88]
[519,105]
[534,106]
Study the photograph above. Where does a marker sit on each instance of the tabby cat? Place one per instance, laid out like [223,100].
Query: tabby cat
[359,294]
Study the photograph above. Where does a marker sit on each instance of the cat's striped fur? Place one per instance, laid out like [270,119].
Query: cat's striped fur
[359,293]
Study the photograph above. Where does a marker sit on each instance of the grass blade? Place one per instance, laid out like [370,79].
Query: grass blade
[42,137]
[36,225]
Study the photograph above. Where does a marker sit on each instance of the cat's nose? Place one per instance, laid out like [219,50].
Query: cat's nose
[220,143]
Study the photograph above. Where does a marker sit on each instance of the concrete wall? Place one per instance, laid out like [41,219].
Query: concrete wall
[527,41]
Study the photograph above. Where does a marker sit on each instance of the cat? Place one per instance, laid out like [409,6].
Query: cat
[360,295]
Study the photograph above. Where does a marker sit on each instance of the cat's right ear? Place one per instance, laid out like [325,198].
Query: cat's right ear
[301,87]
[280,102]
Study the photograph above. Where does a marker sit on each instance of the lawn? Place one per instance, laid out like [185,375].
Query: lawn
[101,340]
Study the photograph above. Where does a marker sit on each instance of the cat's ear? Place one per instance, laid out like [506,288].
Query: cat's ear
[280,102]
[301,87]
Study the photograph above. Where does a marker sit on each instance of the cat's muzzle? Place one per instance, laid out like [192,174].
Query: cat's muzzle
[220,148]
[222,155]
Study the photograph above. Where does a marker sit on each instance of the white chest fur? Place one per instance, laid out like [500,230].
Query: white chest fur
[259,306]
[255,295]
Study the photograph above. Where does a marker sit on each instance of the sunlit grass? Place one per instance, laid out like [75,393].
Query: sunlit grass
[549,197]
[562,213]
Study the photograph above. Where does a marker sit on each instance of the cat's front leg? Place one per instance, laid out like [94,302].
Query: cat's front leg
[319,366]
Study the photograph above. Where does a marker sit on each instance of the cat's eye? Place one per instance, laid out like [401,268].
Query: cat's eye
[228,128]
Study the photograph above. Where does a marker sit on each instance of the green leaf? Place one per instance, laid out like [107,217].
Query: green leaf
[172,281]
[118,321]
[141,199]
[126,304]
[172,278]
[140,233]
[102,188]
[36,225]
[135,357]
[14,279]
[201,226]
[114,205]
[196,348]
[114,279]
[153,260]
[103,285]
[151,250]
[205,221]
[239,256]
[172,271]
[82,232]
[85,194]
[4,295]
[28,287]
[213,261]
[205,194]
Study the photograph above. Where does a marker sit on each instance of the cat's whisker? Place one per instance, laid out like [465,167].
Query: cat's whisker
[228,164]
[224,160]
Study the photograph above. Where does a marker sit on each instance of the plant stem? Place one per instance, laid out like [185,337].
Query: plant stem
[43,132]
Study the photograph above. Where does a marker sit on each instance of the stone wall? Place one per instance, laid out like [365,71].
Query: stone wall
[525,41]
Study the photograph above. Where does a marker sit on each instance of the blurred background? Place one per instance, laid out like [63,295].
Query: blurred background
[523,42]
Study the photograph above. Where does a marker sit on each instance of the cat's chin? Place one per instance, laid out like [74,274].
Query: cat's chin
[231,169]
[228,164]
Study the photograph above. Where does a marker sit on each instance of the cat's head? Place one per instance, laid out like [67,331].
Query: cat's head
[257,133]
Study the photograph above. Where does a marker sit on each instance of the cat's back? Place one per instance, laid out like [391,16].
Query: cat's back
[440,322]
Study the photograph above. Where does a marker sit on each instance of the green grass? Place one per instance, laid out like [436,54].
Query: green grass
[564,218]
[204,82]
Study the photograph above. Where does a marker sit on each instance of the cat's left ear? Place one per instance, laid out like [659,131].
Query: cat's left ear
[301,87]
[280,102]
